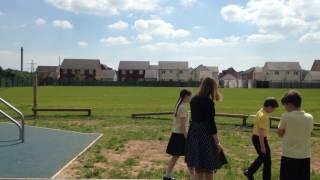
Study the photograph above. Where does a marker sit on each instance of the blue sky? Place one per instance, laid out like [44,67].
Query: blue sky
[238,33]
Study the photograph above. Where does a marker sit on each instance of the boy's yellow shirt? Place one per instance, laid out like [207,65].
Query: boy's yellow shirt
[262,121]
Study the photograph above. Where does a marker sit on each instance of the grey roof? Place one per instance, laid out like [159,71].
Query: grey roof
[173,64]
[315,65]
[228,77]
[47,68]
[283,66]
[213,68]
[315,75]
[258,69]
[135,65]
[208,68]
[80,63]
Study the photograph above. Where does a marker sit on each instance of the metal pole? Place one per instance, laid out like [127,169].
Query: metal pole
[35,86]
[21,54]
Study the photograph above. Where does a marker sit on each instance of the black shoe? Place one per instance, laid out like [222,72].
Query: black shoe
[168,178]
[248,175]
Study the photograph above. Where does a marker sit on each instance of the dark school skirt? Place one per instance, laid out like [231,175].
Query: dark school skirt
[176,145]
[202,152]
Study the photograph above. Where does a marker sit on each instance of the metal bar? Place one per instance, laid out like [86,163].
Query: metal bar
[14,122]
[21,125]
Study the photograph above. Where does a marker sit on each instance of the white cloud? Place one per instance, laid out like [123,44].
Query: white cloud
[272,17]
[264,38]
[158,27]
[105,7]
[115,41]
[40,21]
[63,24]
[144,38]
[2,13]
[82,44]
[188,2]
[310,36]
[120,25]
[169,10]
[199,43]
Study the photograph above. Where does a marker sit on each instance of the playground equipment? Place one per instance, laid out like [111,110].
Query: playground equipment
[20,124]
[35,107]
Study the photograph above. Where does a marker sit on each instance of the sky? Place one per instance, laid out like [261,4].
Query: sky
[228,33]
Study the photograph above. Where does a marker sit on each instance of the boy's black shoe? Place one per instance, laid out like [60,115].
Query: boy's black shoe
[168,178]
[248,175]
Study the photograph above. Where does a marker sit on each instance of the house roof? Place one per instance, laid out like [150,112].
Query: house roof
[315,75]
[47,68]
[228,77]
[80,63]
[137,65]
[173,64]
[316,65]
[208,68]
[283,66]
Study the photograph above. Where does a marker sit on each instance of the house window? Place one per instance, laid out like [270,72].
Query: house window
[140,72]
[296,73]
[181,72]
[123,72]
[163,71]
[171,71]
[288,73]
[130,72]
[276,73]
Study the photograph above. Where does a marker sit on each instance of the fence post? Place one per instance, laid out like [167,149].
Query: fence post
[244,121]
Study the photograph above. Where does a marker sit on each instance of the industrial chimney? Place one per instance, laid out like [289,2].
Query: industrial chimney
[21,59]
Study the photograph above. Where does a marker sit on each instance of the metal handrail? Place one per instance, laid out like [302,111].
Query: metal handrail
[21,124]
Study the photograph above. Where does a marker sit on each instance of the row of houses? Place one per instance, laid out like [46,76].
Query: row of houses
[164,71]
[176,71]
[78,69]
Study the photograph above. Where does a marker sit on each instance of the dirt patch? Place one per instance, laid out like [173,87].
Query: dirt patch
[145,155]
[315,156]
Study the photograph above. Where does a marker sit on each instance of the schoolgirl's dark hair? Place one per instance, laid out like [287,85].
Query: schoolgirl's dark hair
[183,93]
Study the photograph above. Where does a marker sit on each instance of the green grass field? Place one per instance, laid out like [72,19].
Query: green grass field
[135,148]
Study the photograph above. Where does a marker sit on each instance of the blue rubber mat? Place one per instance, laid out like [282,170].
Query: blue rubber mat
[44,152]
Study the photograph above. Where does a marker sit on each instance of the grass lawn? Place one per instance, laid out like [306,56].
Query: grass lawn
[135,148]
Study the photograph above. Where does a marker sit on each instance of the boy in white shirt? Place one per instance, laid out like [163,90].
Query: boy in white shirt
[295,128]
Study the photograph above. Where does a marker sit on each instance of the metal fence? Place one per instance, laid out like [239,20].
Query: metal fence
[15,82]
[20,82]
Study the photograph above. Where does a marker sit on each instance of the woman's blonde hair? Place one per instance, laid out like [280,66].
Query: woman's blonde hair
[210,88]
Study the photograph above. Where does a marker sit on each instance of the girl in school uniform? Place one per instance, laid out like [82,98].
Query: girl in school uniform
[203,151]
[177,142]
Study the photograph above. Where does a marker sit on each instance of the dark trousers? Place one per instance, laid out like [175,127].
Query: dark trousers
[264,159]
[294,169]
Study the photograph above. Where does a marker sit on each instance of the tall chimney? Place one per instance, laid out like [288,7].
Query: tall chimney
[21,59]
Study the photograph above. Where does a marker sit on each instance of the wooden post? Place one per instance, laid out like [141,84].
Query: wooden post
[244,121]
[35,97]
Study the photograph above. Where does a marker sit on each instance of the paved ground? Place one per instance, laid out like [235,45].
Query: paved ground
[44,153]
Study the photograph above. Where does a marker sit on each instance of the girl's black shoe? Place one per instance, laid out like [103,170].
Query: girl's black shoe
[248,175]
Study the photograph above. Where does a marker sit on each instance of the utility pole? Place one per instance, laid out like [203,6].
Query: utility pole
[21,58]
[32,66]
